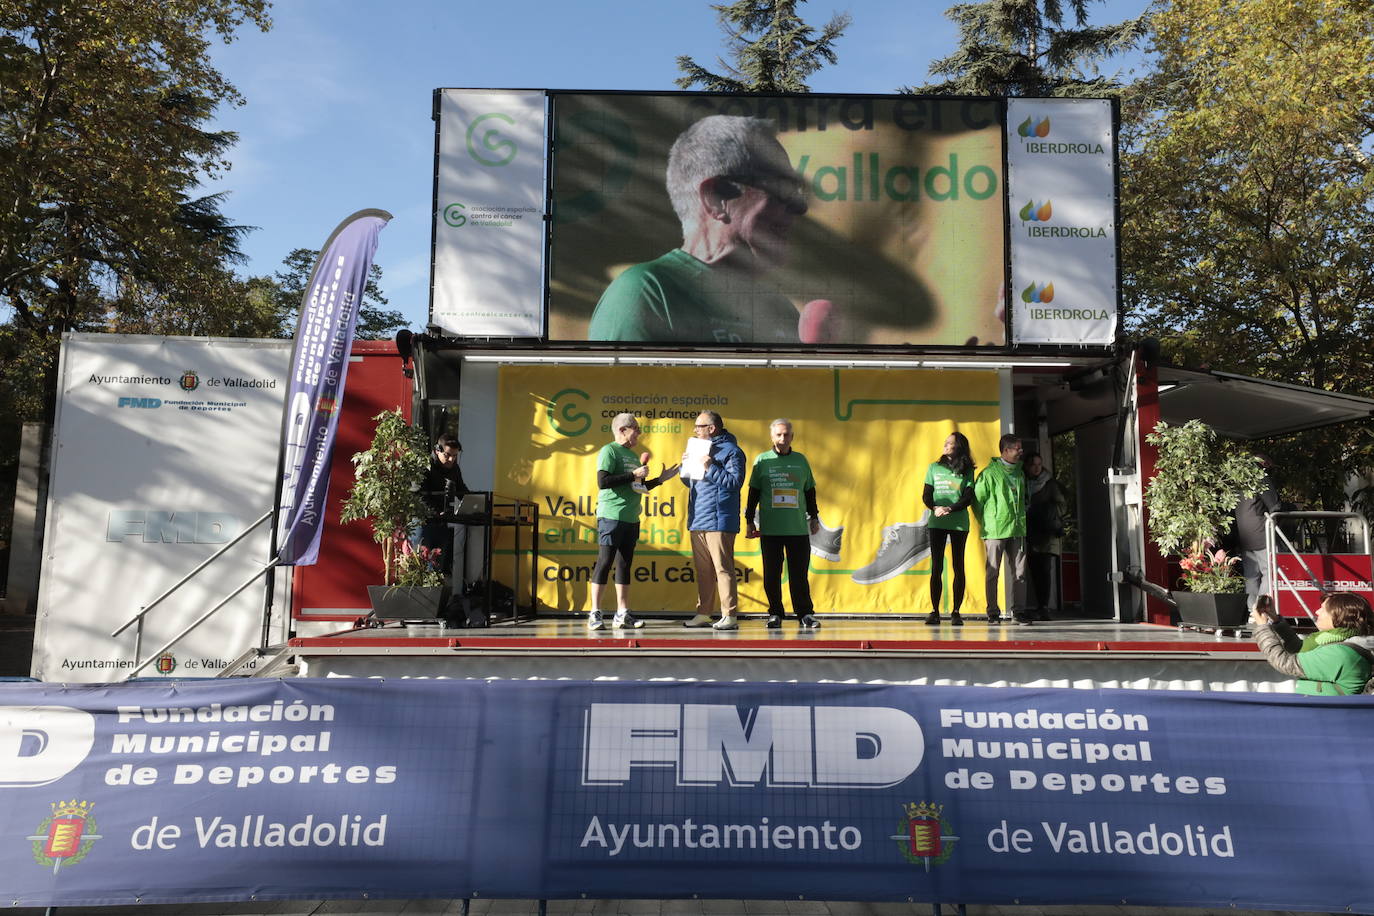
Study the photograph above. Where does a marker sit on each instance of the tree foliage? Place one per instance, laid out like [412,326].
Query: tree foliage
[1023,48]
[104,139]
[772,49]
[1248,206]
[374,321]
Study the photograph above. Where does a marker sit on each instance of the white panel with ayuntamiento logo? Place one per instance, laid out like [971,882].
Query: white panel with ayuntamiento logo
[1061,195]
[164,451]
[489,190]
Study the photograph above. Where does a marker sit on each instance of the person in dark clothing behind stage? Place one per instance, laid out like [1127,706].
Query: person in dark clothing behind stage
[1045,511]
[622,477]
[442,484]
[1250,514]
[783,492]
[947,493]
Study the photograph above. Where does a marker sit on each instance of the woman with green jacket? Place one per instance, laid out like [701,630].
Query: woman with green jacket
[1335,660]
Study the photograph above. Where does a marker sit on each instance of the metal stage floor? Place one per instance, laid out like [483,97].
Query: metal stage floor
[1079,653]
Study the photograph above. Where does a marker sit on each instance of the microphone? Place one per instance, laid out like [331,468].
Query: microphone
[817,322]
[644,458]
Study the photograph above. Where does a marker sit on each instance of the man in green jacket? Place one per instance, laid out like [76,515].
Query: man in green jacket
[999,503]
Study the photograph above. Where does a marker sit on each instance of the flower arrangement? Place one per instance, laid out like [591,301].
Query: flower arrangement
[1198,481]
[1211,571]
[419,566]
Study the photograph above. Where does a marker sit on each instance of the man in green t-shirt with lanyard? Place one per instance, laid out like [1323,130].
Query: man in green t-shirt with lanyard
[783,492]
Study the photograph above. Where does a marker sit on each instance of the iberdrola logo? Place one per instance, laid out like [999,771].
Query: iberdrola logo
[1033,128]
[66,836]
[1037,213]
[925,836]
[1034,293]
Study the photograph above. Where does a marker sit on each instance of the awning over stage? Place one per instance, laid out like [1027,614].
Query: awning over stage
[1241,407]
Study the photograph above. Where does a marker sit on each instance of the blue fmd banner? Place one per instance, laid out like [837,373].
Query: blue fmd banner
[331,788]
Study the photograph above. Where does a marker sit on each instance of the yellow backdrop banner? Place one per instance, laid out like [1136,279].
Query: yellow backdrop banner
[869,436]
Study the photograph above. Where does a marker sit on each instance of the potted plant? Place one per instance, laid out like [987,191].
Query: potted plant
[386,493]
[1198,481]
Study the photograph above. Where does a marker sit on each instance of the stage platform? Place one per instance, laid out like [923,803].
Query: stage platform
[1079,653]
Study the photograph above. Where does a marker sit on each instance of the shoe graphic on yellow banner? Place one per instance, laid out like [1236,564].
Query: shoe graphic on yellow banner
[904,545]
[826,542]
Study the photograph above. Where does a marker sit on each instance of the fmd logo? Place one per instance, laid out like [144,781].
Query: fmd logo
[857,747]
[141,403]
[41,744]
[176,527]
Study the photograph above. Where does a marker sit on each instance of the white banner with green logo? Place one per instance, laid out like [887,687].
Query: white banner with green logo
[1060,193]
[488,278]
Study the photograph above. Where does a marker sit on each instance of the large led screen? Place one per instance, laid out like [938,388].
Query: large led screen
[776,221]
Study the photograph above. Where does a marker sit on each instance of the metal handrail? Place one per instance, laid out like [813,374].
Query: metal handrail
[1273,573]
[187,578]
[201,619]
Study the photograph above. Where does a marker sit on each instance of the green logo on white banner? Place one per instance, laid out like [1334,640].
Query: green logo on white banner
[495,149]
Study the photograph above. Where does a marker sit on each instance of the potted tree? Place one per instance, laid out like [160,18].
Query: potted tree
[1198,480]
[386,493]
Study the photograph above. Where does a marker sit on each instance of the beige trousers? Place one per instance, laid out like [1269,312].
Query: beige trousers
[713,556]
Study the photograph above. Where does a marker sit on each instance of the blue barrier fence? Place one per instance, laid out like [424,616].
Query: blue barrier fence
[223,791]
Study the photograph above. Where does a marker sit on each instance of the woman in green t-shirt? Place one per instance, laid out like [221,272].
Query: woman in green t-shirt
[947,494]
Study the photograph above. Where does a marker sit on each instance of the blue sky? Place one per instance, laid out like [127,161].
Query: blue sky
[338,96]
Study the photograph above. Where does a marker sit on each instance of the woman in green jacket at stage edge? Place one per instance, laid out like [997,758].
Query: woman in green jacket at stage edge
[1335,660]
[948,492]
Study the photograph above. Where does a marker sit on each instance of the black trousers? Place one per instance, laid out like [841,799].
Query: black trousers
[1042,577]
[957,540]
[797,549]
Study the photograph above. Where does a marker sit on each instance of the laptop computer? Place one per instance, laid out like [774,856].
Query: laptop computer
[472,505]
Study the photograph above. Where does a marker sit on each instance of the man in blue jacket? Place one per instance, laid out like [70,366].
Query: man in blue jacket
[713,522]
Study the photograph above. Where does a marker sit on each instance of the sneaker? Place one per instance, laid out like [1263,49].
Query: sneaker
[1023,618]
[626,619]
[904,545]
[810,622]
[826,542]
[933,618]
[955,620]
[994,619]
[725,623]
[700,620]
[593,620]
[774,621]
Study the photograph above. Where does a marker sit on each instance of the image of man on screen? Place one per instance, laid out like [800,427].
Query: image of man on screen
[736,195]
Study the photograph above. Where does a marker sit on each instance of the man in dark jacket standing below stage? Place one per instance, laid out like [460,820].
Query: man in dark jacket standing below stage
[999,502]
[714,481]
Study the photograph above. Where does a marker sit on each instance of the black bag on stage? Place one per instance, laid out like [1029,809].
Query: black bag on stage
[470,610]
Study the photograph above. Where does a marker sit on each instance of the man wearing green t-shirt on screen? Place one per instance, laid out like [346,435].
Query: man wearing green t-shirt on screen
[736,194]
[783,492]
